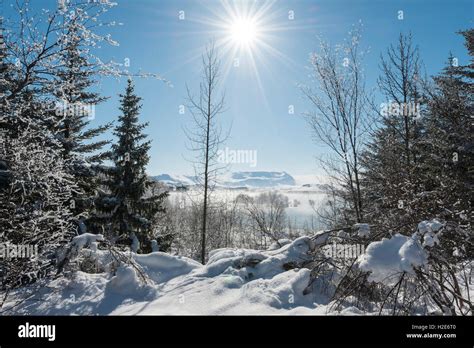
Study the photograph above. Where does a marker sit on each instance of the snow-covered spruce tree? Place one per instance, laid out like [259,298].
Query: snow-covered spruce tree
[448,146]
[75,110]
[58,64]
[4,67]
[129,208]
[447,164]
[385,184]
[390,163]
[4,87]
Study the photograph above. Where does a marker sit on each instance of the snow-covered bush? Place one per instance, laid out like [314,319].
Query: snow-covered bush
[35,206]
[388,258]
[426,272]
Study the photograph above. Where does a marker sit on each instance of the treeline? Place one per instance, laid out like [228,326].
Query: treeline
[403,167]
[57,180]
[406,159]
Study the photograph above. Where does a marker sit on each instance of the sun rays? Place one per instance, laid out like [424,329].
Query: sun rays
[246,34]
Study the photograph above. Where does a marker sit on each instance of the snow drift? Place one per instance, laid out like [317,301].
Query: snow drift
[279,280]
[234,281]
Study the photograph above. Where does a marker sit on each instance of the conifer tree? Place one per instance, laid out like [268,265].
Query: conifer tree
[130,205]
[3,64]
[4,172]
[390,163]
[82,155]
[36,199]
[448,150]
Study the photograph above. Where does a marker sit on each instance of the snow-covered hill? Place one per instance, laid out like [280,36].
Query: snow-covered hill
[258,179]
[255,179]
[175,180]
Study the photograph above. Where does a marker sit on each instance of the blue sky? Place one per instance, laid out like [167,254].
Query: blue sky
[154,39]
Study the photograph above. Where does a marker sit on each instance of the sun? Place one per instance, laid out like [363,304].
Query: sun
[248,35]
[244,31]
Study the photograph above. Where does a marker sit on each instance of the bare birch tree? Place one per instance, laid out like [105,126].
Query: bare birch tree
[340,105]
[205,135]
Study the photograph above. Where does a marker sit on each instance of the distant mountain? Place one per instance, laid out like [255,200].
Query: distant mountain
[175,180]
[258,179]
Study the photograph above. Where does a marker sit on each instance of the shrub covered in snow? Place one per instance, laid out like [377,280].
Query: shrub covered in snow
[425,271]
[388,258]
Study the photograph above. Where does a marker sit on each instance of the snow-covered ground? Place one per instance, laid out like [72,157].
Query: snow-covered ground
[234,281]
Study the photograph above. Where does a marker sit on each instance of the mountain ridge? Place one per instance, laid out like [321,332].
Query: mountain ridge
[257,179]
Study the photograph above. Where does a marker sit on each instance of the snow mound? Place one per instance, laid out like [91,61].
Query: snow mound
[283,291]
[292,255]
[279,244]
[388,258]
[161,267]
[85,240]
[258,264]
[234,281]
[81,295]
[363,230]
[430,230]
[125,281]
[430,226]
